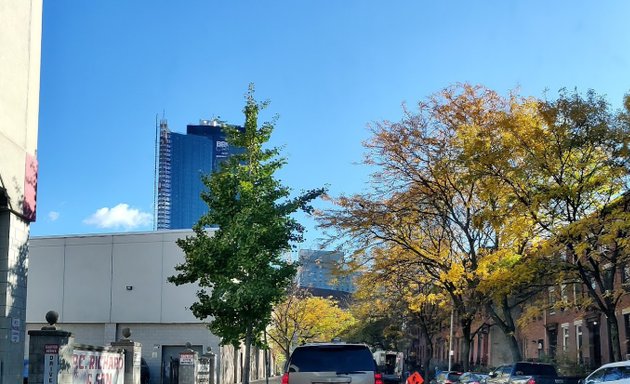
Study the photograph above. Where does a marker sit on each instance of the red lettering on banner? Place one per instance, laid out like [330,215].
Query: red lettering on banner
[81,358]
[91,362]
[89,379]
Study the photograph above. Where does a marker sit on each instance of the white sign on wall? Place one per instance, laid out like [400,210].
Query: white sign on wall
[186,358]
[51,363]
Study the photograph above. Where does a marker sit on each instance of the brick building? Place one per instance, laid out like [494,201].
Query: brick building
[569,331]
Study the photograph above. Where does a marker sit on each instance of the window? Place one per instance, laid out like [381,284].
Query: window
[613,373]
[595,377]
[578,342]
[565,337]
[327,358]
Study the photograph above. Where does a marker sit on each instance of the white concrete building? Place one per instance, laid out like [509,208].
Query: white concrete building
[101,284]
[20,39]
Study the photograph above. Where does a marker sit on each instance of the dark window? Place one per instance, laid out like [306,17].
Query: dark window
[452,376]
[535,369]
[612,374]
[332,358]
[596,377]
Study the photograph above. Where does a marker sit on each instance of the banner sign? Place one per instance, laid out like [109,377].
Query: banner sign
[98,367]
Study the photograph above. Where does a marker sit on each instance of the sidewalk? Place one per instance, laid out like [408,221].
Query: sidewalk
[272,380]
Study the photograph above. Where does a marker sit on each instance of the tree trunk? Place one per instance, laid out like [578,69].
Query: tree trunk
[287,352]
[267,366]
[247,362]
[465,352]
[426,363]
[613,336]
[508,327]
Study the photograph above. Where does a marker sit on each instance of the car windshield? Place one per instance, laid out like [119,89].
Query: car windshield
[332,358]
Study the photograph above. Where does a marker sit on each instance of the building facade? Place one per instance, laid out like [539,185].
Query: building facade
[567,326]
[181,161]
[101,284]
[317,269]
[20,39]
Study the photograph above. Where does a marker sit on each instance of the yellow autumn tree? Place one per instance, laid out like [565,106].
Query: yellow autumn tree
[428,201]
[302,318]
[395,304]
[565,165]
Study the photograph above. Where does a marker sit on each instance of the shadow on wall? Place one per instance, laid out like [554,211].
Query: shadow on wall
[15,252]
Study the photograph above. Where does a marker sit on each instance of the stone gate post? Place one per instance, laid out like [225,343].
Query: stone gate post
[207,368]
[133,354]
[188,364]
[50,351]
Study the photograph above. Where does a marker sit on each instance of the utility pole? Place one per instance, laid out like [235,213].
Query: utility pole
[450,341]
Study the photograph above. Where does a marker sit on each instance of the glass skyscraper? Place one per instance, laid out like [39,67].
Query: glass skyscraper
[317,270]
[181,160]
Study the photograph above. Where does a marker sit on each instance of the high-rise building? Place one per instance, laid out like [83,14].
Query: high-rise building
[181,161]
[318,269]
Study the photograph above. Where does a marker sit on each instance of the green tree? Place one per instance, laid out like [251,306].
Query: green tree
[239,267]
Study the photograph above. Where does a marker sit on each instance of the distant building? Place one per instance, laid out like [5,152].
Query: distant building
[20,37]
[318,273]
[181,160]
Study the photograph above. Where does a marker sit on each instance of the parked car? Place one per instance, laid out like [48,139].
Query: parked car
[528,373]
[473,378]
[612,373]
[337,362]
[446,377]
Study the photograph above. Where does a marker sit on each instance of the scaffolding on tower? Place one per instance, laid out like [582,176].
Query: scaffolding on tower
[163,176]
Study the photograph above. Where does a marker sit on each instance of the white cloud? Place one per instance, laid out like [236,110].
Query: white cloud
[53,215]
[119,216]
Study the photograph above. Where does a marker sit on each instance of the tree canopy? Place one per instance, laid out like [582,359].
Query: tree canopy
[470,190]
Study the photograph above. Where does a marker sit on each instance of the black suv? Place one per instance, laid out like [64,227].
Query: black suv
[338,363]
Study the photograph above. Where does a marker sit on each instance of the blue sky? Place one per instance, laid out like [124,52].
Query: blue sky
[328,67]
